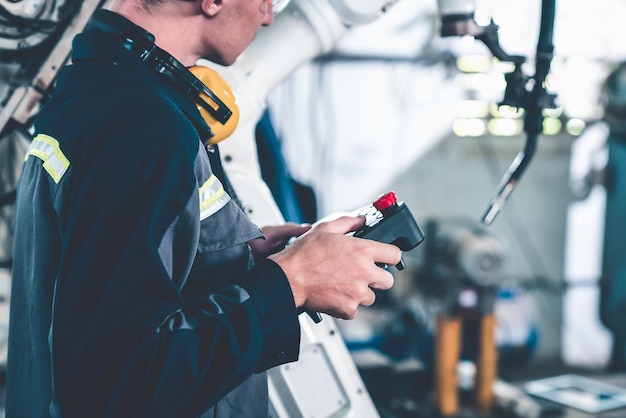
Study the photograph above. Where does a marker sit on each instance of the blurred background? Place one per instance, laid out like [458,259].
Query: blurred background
[394,106]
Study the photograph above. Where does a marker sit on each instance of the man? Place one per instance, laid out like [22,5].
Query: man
[133,289]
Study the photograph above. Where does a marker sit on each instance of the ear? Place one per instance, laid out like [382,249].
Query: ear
[211,7]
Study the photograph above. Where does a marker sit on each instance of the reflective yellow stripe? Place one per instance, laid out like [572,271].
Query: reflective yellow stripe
[47,149]
[212,197]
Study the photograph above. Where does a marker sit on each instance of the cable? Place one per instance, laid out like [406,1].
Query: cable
[534,102]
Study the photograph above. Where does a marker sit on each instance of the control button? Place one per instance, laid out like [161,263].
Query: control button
[385,201]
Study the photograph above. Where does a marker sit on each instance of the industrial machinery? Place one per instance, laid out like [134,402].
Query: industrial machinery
[521,92]
[35,42]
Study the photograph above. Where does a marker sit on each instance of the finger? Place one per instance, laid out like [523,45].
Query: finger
[295,230]
[387,254]
[369,299]
[382,253]
[289,228]
[382,281]
[344,224]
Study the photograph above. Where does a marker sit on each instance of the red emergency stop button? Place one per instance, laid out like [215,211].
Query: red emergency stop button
[385,201]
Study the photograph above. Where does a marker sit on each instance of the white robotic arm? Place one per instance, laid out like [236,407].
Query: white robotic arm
[456,7]
[304,30]
[308,28]
[457,18]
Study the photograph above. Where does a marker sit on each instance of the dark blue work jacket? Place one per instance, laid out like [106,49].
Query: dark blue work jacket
[133,291]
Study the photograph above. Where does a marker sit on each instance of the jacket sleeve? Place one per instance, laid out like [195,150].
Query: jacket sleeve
[146,322]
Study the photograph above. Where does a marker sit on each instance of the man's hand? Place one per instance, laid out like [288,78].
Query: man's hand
[333,273]
[276,237]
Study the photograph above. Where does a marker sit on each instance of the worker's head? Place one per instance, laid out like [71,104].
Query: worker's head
[237,22]
[218,30]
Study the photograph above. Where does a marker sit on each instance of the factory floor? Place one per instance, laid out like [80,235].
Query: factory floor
[407,392]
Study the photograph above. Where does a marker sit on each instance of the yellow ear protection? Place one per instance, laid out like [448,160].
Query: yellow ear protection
[213,97]
[209,108]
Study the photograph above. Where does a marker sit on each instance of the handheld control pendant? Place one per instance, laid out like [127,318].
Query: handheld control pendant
[391,222]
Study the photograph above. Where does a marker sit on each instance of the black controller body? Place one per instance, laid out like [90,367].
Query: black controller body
[397,226]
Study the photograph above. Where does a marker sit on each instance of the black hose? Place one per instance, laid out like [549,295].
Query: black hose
[533,121]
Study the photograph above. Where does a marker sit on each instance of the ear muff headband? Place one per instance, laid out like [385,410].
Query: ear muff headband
[212,95]
[219,110]
[215,86]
